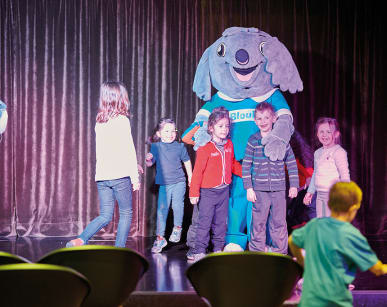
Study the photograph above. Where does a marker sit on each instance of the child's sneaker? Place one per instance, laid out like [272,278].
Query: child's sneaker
[175,235]
[197,257]
[75,242]
[158,245]
[190,255]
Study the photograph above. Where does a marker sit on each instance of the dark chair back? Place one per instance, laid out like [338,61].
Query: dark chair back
[7,258]
[244,278]
[41,285]
[113,272]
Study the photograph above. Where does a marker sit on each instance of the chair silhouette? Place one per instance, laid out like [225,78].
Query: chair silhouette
[244,278]
[7,258]
[112,272]
[41,285]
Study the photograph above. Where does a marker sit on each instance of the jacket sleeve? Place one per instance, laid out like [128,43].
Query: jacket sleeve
[198,171]
[236,167]
[312,187]
[341,162]
[132,156]
[246,165]
[291,165]
[188,135]
[201,117]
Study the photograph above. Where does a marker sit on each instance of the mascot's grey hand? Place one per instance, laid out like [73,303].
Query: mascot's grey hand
[276,141]
[3,117]
[201,137]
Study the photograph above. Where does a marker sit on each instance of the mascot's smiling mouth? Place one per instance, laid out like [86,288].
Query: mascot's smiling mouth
[244,74]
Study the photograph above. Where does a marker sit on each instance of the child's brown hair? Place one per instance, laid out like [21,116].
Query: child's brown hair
[263,106]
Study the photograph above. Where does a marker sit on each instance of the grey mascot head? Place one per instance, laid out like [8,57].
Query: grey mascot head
[3,117]
[244,63]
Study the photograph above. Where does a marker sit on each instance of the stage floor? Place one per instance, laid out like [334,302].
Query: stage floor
[166,272]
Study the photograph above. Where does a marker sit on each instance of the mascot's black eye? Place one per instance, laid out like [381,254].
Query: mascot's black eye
[221,51]
[261,47]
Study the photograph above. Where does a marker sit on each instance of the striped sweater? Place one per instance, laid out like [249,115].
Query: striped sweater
[262,174]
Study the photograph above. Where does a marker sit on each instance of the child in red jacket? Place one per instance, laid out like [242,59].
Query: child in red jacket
[210,182]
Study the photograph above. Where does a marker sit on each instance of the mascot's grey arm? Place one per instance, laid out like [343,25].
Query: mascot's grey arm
[276,141]
[201,136]
[3,117]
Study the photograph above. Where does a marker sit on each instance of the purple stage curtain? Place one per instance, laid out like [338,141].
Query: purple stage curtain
[55,54]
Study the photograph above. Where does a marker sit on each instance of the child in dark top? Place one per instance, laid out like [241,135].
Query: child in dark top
[167,153]
[211,177]
[334,250]
[265,182]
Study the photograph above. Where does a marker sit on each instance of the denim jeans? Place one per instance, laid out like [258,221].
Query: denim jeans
[109,191]
[167,193]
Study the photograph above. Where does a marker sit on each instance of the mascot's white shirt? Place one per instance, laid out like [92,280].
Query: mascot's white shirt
[242,115]
[115,152]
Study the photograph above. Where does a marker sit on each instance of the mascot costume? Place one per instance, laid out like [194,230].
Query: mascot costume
[246,66]
[3,117]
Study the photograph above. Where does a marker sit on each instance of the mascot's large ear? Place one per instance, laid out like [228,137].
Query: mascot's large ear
[281,66]
[202,81]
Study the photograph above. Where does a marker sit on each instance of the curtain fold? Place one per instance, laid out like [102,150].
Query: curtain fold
[54,54]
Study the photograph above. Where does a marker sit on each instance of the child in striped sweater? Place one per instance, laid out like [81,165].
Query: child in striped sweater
[265,182]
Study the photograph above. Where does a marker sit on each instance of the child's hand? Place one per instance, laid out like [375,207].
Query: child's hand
[194,200]
[293,192]
[136,186]
[148,159]
[140,169]
[251,195]
[308,198]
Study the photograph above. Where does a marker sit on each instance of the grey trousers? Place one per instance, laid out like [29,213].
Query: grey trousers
[273,203]
[191,234]
[322,208]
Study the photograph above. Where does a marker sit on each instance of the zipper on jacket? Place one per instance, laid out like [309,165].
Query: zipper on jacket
[223,156]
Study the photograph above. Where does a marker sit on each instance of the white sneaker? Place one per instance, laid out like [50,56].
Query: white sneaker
[298,288]
[190,255]
[158,245]
[232,247]
[197,257]
[175,235]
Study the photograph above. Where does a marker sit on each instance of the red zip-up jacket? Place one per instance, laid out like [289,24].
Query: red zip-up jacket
[213,168]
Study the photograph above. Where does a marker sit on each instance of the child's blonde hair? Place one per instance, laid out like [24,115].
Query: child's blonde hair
[343,195]
[113,101]
[333,124]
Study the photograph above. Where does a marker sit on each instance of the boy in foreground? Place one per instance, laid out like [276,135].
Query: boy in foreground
[334,250]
